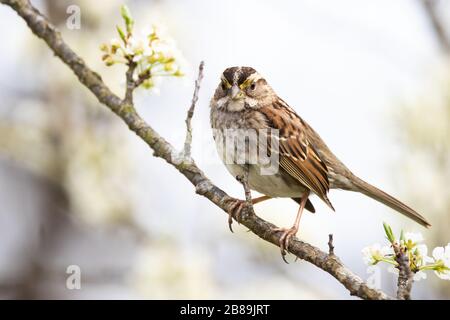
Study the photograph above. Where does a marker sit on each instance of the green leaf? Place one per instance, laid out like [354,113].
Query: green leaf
[126,15]
[125,12]
[121,34]
[402,236]
[389,233]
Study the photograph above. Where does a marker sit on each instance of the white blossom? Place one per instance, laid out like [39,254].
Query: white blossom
[150,51]
[419,275]
[373,254]
[421,254]
[441,256]
[410,245]
[138,47]
[413,237]
[115,42]
[441,253]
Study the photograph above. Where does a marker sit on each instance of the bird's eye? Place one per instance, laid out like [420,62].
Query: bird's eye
[253,86]
[224,86]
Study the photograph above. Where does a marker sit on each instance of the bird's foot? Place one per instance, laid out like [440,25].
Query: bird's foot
[235,209]
[285,239]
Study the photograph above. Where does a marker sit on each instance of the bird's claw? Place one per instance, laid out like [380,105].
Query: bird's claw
[235,211]
[285,239]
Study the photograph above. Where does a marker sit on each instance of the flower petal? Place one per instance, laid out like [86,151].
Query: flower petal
[420,275]
[438,253]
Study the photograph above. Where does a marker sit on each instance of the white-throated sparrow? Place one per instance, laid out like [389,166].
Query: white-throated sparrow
[244,109]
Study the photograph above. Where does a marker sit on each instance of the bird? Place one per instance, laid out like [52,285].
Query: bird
[244,106]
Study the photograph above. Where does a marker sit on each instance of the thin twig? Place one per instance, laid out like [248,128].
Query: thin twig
[330,245]
[190,113]
[142,77]
[42,28]
[130,83]
[437,24]
[405,275]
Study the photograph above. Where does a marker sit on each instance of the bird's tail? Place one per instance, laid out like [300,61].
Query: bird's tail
[381,196]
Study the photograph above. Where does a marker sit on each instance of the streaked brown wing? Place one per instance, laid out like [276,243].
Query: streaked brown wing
[297,155]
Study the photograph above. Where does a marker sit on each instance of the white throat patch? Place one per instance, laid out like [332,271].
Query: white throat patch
[236,105]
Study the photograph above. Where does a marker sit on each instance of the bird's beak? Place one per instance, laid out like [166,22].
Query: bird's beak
[236,92]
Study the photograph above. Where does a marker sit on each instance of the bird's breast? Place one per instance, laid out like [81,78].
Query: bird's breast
[239,138]
[274,185]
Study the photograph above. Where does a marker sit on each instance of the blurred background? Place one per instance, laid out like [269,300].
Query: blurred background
[78,188]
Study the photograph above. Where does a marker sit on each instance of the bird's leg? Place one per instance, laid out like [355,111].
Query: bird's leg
[236,207]
[289,233]
[248,195]
[260,199]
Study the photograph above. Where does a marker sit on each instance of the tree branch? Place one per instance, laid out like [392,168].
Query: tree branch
[130,83]
[330,245]
[437,24]
[190,114]
[405,275]
[42,28]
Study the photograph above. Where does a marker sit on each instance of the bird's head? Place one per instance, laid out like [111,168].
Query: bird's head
[241,88]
